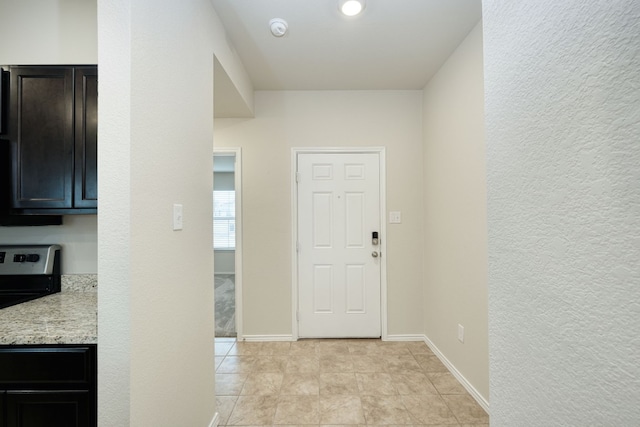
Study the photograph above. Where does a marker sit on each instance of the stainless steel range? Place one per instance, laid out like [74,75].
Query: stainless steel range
[28,272]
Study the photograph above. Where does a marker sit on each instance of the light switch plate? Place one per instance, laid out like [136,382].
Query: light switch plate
[395,217]
[177,216]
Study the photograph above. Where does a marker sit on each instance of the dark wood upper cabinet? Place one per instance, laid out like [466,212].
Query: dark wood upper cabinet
[86,139]
[53,134]
[42,136]
[4,89]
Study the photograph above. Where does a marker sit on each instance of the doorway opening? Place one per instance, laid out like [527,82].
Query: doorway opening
[227,239]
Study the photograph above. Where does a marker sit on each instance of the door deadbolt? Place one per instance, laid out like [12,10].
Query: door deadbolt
[374,238]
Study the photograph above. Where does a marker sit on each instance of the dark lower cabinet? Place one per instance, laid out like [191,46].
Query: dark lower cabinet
[47,408]
[48,386]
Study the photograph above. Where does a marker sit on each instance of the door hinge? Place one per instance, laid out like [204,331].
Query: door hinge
[297,176]
[297,247]
[298,316]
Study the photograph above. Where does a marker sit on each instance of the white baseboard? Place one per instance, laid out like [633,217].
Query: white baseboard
[266,338]
[403,337]
[465,383]
[216,419]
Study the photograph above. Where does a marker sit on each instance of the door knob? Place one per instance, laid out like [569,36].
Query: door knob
[374,254]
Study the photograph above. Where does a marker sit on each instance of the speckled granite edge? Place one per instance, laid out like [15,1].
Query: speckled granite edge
[60,318]
[79,283]
[48,339]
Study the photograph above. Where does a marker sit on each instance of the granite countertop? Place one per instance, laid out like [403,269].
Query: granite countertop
[67,317]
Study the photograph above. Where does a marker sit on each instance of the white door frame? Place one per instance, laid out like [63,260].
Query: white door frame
[238,252]
[294,228]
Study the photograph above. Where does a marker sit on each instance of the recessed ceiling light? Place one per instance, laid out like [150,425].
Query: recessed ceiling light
[351,7]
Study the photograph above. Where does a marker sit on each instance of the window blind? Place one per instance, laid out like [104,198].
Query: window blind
[224,219]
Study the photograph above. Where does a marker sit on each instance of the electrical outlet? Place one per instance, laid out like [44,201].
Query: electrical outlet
[177,216]
[460,333]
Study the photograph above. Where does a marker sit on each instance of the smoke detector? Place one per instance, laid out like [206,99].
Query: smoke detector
[278,27]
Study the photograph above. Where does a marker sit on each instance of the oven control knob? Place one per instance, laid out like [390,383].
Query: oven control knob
[19,258]
[33,257]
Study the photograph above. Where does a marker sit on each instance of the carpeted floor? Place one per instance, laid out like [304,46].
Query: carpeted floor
[225,299]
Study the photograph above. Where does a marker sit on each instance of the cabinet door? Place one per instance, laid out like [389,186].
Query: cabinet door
[47,409]
[2,399]
[4,86]
[41,134]
[86,137]
[49,385]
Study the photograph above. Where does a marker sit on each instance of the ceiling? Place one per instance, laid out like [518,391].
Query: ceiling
[393,44]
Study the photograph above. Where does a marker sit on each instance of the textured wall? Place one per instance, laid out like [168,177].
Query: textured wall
[156,304]
[563,129]
[455,219]
[114,180]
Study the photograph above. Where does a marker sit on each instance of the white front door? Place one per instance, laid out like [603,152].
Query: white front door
[338,261]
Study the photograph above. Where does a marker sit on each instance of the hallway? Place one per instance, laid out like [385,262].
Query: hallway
[338,382]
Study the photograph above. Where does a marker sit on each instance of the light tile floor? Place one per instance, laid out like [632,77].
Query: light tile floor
[338,382]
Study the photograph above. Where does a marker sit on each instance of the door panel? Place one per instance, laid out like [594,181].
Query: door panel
[355,218]
[322,289]
[356,289]
[322,220]
[338,278]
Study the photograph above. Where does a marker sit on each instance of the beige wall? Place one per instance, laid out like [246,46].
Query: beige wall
[455,238]
[156,307]
[48,32]
[53,32]
[325,119]
[224,261]
[77,235]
